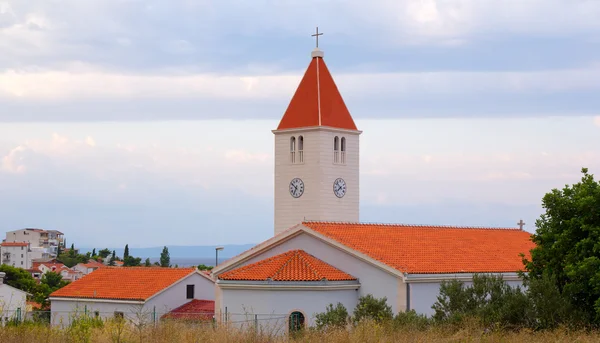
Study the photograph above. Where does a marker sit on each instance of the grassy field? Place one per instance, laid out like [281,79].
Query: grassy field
[367,332]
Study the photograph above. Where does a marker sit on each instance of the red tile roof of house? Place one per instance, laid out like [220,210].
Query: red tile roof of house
[294,265]
[131,283]
[317,102]
[14,244]
[433,249]
[194,310]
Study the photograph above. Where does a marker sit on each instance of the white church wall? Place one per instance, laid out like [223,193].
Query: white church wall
[372,279]
[423,295]
[270,309]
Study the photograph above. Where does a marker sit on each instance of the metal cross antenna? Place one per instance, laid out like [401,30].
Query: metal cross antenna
[521,224]
[317,35]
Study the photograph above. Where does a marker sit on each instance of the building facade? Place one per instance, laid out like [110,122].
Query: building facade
[16,254]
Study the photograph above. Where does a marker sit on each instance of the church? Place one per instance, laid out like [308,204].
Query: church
[321,253]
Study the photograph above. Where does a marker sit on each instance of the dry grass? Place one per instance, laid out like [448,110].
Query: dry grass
[113,332]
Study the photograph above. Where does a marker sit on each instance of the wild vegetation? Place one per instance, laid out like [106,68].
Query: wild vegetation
[364,331]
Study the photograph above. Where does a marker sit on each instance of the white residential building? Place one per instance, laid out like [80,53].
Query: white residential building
[13,302]
[136,293]
[44,241]
[16,254]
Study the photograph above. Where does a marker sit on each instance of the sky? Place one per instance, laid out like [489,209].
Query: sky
[149,122]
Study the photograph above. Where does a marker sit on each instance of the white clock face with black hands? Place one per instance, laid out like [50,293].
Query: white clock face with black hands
[296,187]
[339,187]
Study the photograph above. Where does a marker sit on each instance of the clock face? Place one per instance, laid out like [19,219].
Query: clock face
[296,187]
[339,187]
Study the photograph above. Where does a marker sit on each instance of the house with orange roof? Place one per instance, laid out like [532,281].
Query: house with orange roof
[321,253]
[90,266]
[136,293]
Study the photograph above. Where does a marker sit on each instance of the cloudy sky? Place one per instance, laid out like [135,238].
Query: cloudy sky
[148,122]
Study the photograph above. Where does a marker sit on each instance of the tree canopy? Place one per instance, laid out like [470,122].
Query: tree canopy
[165,259]
[568,243]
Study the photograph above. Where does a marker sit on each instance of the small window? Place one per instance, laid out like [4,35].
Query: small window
[190,292]
[336,144]
[21,248]
[21,262]
[343,145]
[300,143]
[21,255]
[293,144]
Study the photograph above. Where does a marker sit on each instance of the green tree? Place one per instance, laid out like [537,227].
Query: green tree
[18,278]
[131,261]
[369,307]
[567,248]
[126,252]
[165,259]
[204,267]
[72,250]
[94,252]
[53,280]
[104,253]
[333,317]
[147,263]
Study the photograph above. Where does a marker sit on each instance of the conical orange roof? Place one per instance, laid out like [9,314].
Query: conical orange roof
[317,102]
[294,265]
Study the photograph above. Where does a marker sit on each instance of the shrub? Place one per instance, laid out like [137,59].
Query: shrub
[333,317]
[374,309]
[411,320]
[489,299]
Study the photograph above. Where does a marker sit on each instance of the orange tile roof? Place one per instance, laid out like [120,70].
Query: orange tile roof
[131,283]
[433,249]
[14,244]
[294,265]
[196,309]
[317,101]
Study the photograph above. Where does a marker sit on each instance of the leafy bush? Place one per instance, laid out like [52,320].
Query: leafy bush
[411,320]
[369,307]
[333,317]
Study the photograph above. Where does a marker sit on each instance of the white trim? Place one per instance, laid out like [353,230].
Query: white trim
[465,277]
[99,300]
[318,92]
[289,287]
[292,232]
[316,128]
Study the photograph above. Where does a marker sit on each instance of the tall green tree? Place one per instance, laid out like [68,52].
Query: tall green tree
[165,259]
[126,252]
[568,243]
[104,253]
[94,252]
[72,250]
[147,263]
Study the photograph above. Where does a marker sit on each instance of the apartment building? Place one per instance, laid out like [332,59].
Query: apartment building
[43,243]
[16,254]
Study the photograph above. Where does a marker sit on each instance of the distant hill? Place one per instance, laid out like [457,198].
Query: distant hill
[191,251]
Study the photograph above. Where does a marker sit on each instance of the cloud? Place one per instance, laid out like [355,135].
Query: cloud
[96,94]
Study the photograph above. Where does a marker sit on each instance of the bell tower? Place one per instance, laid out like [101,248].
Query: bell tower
[316,153]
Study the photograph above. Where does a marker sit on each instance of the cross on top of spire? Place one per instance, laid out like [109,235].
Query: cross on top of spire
[317,34]
[521,223]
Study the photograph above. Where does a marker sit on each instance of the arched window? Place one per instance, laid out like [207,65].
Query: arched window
[343,151]
[300,149]
[336,149]
[293,149]
[296,322]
